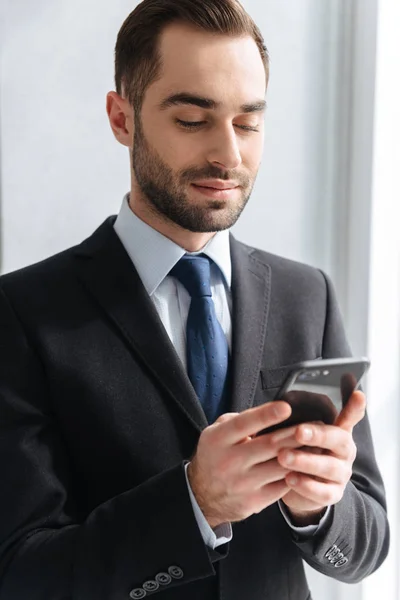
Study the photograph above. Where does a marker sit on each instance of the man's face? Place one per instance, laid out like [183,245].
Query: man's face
[201,129]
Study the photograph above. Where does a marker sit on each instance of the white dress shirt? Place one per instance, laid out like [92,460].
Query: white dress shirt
[153,256]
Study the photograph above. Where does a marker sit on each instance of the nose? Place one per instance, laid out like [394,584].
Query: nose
[225,149]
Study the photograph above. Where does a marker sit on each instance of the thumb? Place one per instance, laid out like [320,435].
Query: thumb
[353,412]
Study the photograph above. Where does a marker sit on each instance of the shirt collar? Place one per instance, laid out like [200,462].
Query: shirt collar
[154,255]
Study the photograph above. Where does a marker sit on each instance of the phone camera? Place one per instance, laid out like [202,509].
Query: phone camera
[309,375]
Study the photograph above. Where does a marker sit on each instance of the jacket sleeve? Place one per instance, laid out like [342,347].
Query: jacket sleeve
[46,549]
[356,540]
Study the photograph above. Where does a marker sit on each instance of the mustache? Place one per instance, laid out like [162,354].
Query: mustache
[213,172]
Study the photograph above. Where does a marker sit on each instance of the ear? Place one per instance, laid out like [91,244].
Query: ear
[120,115]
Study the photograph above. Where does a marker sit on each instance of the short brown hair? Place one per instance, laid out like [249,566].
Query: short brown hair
[137,57]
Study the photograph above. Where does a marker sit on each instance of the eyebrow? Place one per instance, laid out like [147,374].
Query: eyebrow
[184,98]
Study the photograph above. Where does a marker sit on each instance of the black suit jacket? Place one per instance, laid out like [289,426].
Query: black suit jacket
[98,417]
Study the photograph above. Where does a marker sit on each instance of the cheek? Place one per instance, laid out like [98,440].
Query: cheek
[177,150]
[183,153]
[252,154]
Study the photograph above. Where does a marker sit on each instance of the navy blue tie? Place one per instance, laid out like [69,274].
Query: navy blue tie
[206,346]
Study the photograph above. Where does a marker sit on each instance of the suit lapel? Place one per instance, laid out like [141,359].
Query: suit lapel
[108,275]
[251,287]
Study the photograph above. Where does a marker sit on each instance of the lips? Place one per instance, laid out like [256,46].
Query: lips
[216,193]
[216,185]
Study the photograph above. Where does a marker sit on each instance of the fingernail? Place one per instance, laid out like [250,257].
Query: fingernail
[289,458]
[306,433]
[292,480]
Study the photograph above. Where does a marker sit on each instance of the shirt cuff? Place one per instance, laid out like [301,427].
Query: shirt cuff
[308,530]
[212,537]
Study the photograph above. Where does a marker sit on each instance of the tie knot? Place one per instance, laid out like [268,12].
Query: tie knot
[194,274]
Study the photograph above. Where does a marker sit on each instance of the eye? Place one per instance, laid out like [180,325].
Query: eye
[190,124]
[248,128]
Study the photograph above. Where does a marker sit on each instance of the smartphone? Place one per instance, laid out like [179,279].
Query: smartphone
[317,390]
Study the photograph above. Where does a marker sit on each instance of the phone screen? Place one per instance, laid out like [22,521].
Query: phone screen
[319,392]
[323,386]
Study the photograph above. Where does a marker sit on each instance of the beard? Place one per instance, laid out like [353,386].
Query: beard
[166,195]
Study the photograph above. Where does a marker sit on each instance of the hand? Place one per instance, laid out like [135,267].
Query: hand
[234,474]
[319,473]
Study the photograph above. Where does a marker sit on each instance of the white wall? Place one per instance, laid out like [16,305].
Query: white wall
[289,211]
[62,172]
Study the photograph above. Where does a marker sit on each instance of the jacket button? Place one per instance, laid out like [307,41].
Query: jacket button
[332,552]
[175,572]
[151,586]
[137,594]
[342,562]
[163,578]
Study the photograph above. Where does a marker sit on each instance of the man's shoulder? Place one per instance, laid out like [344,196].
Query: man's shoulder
[284,268]
[46,269]
[57,267]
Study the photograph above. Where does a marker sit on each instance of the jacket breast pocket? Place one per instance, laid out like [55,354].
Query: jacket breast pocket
[273,379]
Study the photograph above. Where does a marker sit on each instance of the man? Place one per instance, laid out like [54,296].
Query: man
[137,368]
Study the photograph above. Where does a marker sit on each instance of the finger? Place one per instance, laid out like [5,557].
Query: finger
[263,474]
[225,417]
[328,468]
[271,492]
[263,448]
[279,438]
[228,417]
[318,492]
[252,421]
[327,437]
[353,412]
[266,447]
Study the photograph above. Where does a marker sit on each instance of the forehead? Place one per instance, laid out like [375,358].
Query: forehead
[212,65]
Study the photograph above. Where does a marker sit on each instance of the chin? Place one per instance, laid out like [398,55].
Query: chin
[214,223]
